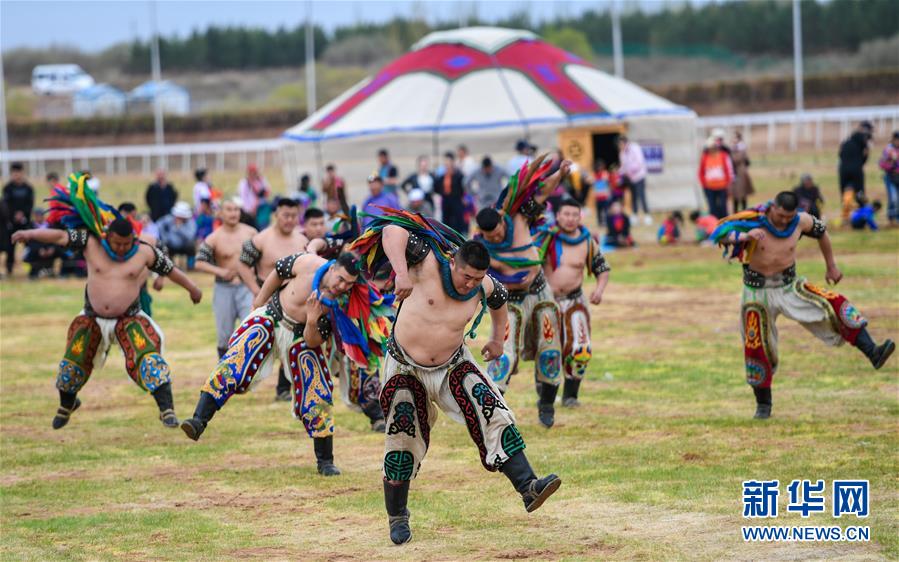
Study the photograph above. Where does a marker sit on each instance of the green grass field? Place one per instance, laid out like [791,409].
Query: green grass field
[652,462]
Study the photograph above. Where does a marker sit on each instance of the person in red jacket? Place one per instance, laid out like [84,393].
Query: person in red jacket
[716,172]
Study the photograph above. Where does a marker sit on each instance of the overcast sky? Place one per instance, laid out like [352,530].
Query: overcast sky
[94,25]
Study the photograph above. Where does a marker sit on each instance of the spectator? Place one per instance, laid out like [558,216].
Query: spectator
[715,175]
[864,215]
[129,211]
[452,195]
[53,183]
[669,232]
[618,227]
[40,255]
[332,212]
[418,203]
[889,163]
[523,149]
[810,199]
[333,184]
[5,235]
[705,225]
[633,169]
[161,196]
[423,179]
[148,226]
[487,183]
[388,172]
[742,187]
[853,155]
[602,191]
[305,194]
[378,197]
[19,198]
[467,164]
[314,223]
[178,231]
[254,191]
[205,220]
[203,188]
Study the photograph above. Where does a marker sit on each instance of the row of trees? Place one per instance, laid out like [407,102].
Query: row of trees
[746,28]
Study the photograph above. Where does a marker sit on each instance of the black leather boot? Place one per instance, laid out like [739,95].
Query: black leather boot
[396,494]
[68,403]
[282,391]
[324,454]
[546,410]
[533,490]
[876,354]
[762,403]
[569,393]
[373,412]
[221,351]
[206,408]
[163,397]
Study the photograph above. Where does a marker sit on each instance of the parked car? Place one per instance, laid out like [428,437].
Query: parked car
[57,79]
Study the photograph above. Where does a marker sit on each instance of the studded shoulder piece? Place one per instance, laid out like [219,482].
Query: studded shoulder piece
[249,253]
[77,239]
[205,253]
[818,229]
[599,265]
[531,210]
[162,264]
[416,249]
[499,296]
[284,266]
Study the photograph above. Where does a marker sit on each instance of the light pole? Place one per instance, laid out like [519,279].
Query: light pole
[617,56]
[157,77]
[797,56]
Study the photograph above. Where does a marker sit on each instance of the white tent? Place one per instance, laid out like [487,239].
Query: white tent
[487,87]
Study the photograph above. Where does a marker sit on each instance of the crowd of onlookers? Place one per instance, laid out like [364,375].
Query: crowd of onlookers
[453,191]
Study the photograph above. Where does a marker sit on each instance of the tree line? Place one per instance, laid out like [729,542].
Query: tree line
[760,27]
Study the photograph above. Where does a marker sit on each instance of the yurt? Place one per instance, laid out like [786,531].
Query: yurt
[487,88]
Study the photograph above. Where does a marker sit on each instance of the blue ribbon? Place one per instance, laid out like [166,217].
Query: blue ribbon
[114,256]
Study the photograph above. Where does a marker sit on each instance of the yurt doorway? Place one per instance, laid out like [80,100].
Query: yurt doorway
[587,145]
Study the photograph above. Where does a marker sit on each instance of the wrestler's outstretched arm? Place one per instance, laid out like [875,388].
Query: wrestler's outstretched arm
[271,284]
[552,182]
[601,281]
[498,319]
[317,246]
[807,224]
[43,235]
[180,278]
[394,239]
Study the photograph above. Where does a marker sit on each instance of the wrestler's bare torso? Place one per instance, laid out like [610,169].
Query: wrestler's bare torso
[112,286]
[226,243]
[772,254]
[274,245]
[430,326]
[521,237]
[569,276]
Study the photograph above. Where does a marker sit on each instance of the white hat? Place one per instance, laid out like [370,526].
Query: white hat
[416,195]
[718,133]
[182,210]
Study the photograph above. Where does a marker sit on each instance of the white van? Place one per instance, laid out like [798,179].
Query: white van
[55,79]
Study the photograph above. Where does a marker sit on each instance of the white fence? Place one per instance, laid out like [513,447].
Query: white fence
[781,129]
[809,128]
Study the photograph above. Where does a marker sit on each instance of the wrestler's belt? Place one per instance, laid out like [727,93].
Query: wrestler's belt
[536,286]
[756,280]
[575,294]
